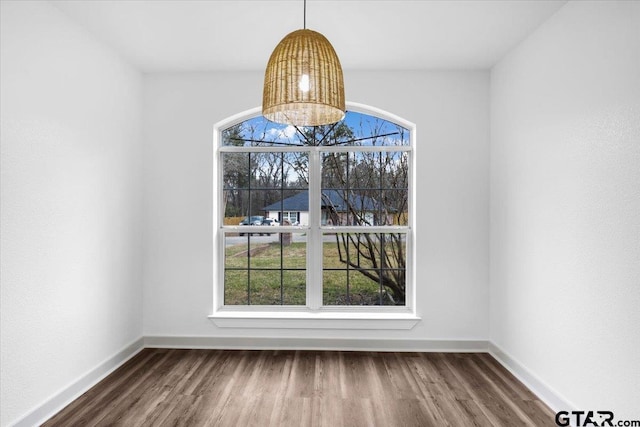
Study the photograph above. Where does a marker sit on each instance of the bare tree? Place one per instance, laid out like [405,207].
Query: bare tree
[234,177]
[364,189]
[371,189]
[252,181]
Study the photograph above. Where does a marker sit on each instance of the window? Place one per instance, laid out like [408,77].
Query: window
[335,229]
[292,217]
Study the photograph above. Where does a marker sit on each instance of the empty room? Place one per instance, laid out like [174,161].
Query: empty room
[320,213]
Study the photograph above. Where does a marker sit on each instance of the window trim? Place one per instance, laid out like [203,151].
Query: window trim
[312,315]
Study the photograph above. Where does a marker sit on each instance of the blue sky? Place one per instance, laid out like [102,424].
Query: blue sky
[363,125]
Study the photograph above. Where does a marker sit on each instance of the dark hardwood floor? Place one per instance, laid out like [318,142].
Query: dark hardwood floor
[161,387]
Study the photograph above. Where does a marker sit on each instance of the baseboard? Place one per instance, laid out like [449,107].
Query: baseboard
[345,344]
[546,393]
[68,394]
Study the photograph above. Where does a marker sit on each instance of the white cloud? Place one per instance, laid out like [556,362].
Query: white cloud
[286,133]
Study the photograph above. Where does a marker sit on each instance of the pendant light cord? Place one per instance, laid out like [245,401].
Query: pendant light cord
[304,19]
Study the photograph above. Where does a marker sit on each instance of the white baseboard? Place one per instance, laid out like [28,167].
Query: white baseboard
[68,394]
[269,343]
[546,393]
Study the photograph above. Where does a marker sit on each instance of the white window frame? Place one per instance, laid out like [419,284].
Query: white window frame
[313,314]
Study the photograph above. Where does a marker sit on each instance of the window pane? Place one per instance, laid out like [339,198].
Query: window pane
[365,188]
[254,183]
[265,254]
[364,169]
[356,129]
[236,249]
[332,253]
[236,287]
[334,170]
[236,170]
[295,287]
[279,170]
[364,268]
[365,287]
[260,132]
[394,207]
[357,287]
[239,204]
[397,276]
[340,248]
[265,287]
[368,130]
[289,207]
[360,253]
[265,270]
[334,287]
[294,250]
[394,170]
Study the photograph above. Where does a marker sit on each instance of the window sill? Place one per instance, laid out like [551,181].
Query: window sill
[314,320]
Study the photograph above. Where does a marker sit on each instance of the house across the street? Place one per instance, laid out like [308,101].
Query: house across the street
[334,210]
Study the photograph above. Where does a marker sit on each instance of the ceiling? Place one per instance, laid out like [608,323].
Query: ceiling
[185,35]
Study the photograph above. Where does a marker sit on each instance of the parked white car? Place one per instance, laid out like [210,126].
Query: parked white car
[271,222]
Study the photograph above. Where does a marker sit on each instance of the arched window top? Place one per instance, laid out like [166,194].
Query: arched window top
[362,126]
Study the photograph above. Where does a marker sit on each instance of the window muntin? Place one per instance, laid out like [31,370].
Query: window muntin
[355,130]
[265,269]
[364,268]
[365,188]
[374,187]
[253,180]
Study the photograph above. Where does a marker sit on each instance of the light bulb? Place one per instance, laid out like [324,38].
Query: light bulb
[304,83]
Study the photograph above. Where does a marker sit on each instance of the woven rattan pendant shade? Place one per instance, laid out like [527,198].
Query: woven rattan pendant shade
[303,83]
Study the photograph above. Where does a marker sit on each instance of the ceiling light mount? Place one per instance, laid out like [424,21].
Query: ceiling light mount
[303,82]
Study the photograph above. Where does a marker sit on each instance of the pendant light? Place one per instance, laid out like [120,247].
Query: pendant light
[303,82]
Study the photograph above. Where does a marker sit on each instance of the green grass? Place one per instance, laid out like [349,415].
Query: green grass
[265,286]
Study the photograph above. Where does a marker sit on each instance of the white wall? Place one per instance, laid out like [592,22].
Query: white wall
[451,110]
[565,205]
[71,203]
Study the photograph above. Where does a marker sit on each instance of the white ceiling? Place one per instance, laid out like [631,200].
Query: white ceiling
[185,35]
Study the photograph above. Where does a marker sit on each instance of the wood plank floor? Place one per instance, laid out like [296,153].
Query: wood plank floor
[168,387]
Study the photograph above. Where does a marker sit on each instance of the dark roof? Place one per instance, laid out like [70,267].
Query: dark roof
[299,202]
[334,198]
